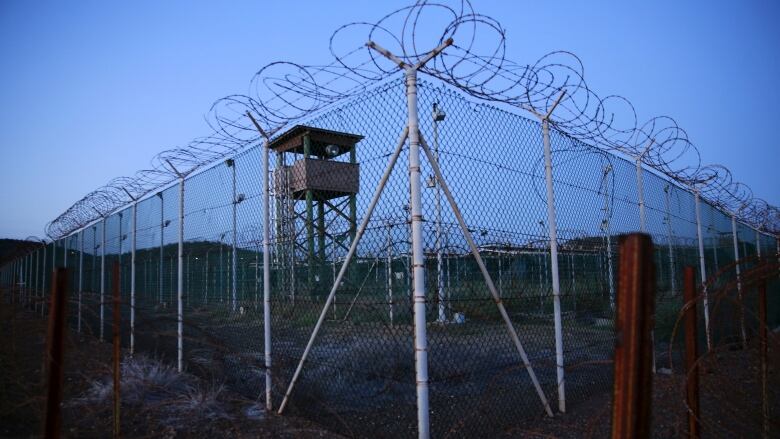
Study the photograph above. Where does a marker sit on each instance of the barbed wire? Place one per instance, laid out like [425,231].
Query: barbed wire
[283,93]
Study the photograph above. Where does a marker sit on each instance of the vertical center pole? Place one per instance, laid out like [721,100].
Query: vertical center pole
[702,271]
[552,228]
[739,280]
[180,289]
[418,263]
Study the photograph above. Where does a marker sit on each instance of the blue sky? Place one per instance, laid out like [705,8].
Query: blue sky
[91,90]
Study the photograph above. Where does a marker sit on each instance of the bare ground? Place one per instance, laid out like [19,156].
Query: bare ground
[158,402]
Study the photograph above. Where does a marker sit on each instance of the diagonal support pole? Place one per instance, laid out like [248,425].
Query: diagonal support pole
[352,248]
[488,280]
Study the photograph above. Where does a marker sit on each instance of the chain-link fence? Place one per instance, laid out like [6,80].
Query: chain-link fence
[191,258]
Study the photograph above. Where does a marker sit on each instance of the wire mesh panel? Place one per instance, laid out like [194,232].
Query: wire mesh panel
[359,377]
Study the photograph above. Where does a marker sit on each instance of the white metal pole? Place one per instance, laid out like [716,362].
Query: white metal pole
[180,289]
[739,279]
[418,262]
[551,224]
[758,244]
[418,257]
[267,275]
[102,277]
[641,195]
[608,234]
[162,243]
[133,244]
[670,238]
[390,270]
[702,271]
[234,259]
[439,264]
[352,248]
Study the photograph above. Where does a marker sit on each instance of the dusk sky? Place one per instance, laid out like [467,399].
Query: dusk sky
[92,90]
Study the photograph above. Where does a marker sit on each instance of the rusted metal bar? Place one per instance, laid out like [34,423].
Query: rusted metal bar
[691,354]
[762,334]
[633,344]
[56,353]
[117,341]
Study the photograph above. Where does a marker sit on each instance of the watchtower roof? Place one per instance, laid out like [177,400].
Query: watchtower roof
[292,140]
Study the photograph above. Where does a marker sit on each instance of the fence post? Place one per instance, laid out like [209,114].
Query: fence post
[102,277]
[35,281]
[739,281]
[266,276]
[56,352]
[162,244]
[553,233]
[43,279]
[81,281]
[25,279]
[266,263]
[691,354]
[180,281]
[115,286]
[702,270]
[133,244]
[418,262]
[641,194]
[670,237]
[234,258]
[764,346]
[633,347]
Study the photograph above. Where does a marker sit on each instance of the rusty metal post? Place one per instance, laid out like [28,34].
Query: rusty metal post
[56,353]
[116,342]
[633,344]
[691,353]
[762,333]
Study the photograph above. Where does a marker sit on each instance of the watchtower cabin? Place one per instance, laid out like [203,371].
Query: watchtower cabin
[316,182]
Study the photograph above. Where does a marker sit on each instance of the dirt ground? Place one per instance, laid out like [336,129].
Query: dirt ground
[158,402]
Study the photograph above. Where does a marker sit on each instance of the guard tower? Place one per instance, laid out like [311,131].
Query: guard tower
[316,182]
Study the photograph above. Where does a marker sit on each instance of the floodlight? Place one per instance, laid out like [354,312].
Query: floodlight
[332,150]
